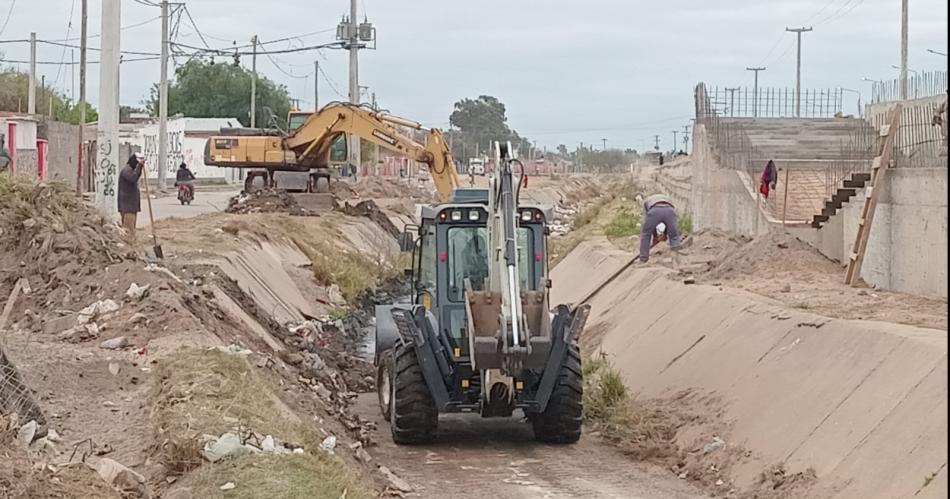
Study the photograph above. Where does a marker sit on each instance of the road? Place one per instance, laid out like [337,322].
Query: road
[207,201]
[475,458]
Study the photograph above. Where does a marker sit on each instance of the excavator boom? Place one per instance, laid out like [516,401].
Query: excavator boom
[307,147]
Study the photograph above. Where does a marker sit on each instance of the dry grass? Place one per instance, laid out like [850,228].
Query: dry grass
[640,429]
[208,392]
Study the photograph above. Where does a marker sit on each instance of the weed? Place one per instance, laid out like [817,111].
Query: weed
[588,215]
[338,313]
[624,224]
[685,224]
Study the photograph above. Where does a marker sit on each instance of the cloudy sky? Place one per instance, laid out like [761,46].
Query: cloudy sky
[568,71]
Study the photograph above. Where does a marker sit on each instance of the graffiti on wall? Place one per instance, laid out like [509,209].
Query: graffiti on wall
[174,155]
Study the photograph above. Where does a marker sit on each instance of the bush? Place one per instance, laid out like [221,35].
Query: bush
[624,224]
[685,224]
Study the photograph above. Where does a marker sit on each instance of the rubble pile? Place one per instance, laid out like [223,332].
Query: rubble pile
[44,226]
[370,210]
[267,201]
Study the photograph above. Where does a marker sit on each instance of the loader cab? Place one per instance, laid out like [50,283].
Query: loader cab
[452,246]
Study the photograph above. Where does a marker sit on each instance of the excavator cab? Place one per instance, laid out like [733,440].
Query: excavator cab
[450,350]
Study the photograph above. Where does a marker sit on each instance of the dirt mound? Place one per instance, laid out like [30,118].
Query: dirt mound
[381,188]
[44,227]
[267,201]
[775,252]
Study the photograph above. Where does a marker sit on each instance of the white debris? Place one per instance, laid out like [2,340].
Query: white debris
[394,481]
[228,486]
[115,343]
[328,444]
[121,477]
[136,292]
[715,444]
[97,309]
[114,368]
[233,349]
[228,445]
[26,433]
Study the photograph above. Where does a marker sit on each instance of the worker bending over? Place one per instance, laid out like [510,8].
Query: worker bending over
[658,209]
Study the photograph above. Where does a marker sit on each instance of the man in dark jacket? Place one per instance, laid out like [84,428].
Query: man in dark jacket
[129,198]
[185,177]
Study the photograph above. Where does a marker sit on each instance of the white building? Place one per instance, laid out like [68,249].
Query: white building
[186,143]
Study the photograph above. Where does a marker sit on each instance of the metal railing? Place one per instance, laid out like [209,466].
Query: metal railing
[771,102]
[926,84]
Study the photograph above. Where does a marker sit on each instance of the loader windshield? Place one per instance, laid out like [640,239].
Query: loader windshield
[468,255]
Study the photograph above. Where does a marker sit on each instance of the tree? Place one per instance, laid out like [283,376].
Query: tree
[480,121]
[209,90]
[562,150]
[14,96]
[126,112]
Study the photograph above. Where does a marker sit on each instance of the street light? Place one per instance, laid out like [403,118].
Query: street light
[908,69]
[872,80]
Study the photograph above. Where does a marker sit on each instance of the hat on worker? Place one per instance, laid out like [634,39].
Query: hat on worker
[140,156]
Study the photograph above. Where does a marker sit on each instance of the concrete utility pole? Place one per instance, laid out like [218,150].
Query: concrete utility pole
[605,143]
[107,134]
[903,89]
[82,93]
[798,69]
[657,139]
[254,82]
[675,132]
[354,47]
[31,93]
[755,91]
[580,159]
[163,104]
[316,86]
[686,139]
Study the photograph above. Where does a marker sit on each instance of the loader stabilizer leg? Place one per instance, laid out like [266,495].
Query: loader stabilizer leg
[417,379]
[561,390]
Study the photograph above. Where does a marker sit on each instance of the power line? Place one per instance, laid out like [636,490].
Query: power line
[845,13]
[72,46]
[123,28]
[69,28]
[9,15]
[232,51]
[57,63]
[330,82]
[193,25]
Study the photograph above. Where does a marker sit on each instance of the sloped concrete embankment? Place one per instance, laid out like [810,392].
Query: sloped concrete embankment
[864,404]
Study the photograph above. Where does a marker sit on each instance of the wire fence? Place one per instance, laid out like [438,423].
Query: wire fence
[921,140]
[771,102]
[15,397]
[926,84]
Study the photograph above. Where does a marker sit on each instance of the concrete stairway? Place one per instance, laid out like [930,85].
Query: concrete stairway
[845,193]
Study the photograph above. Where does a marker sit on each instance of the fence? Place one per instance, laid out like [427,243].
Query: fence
[769,102]
[927,84]
[920,143]
[15,396]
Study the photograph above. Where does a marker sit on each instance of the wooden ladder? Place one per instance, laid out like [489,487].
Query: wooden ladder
[879,168]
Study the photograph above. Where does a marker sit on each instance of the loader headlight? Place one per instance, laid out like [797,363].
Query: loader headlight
[473,215]
[456,215]
[525,216]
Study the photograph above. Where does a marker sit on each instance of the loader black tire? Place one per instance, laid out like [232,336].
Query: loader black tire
[414,417]
[561,421]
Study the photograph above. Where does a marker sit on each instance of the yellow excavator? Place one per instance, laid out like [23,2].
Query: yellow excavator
[307,146]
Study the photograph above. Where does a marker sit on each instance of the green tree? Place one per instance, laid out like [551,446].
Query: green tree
[562,150]
[479,122]
[14,96]
[209,90]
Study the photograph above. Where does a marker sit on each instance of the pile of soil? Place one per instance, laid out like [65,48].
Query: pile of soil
[266,201]
[775,252]
[46,229]
[382,188]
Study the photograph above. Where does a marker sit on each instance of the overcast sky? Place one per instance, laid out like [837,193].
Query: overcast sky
[568,71]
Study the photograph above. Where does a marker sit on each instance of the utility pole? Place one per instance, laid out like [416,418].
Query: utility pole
[798,69]
[686,139]
[657,146]
[605,143]
[354,47]
[732,101]
[31,94]
[163,104]
[316,86]
[903,88]
[675,132]
[82,94]
[254,82]
[580,159]
[755,91]
[72,74]
[107,133]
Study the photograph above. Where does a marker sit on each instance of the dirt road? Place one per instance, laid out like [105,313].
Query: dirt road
[499,459]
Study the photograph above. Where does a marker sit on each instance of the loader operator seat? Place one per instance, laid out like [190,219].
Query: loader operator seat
[475,262]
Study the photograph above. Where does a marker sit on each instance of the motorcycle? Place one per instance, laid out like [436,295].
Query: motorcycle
[186,194]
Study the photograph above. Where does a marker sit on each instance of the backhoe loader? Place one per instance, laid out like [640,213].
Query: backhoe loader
[307,147]
[479,335]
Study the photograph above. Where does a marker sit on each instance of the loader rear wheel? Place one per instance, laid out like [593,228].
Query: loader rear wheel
[560,423]
[413,417]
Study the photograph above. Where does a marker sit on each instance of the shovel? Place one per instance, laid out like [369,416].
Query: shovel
[156,248]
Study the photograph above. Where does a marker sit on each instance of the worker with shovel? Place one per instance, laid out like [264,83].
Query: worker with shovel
[658,211]
[129,198]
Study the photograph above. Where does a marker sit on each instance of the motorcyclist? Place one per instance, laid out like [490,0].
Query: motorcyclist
[184,178]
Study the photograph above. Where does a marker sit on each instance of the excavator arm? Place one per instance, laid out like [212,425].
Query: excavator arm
[308,146]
